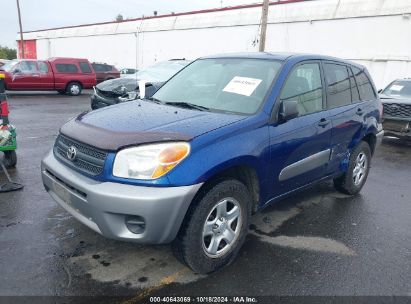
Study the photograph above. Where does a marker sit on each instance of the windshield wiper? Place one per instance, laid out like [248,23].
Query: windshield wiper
[187,105]
[155,100]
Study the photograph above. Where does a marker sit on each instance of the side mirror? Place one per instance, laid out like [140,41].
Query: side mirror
[288,110]
[16,71]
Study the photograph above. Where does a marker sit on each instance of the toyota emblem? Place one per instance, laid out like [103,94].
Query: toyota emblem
[394,108]
[72,153]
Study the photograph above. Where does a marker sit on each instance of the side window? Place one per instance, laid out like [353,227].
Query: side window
[66,68]
[304,86]
[338,84]
[28,67]
[355,96]
[84,67]
[364,85]
[43,67]
[108,68]
[98,67]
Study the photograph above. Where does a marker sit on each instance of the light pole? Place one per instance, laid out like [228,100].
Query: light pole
[263,32]
[21,30]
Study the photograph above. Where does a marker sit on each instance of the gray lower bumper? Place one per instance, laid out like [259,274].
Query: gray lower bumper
[105,206]
[397,127]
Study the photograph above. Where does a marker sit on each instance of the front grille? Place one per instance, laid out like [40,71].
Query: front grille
[88,159]
[108,94]
[397,110]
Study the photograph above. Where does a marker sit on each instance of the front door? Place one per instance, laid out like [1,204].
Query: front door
[25,76]
[300,147]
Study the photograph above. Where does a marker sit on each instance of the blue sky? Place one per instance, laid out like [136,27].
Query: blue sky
[40,14]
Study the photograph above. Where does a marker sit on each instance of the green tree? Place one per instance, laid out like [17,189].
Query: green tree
[7,53]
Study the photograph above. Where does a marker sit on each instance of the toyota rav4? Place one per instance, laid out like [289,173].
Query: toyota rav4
[223,138]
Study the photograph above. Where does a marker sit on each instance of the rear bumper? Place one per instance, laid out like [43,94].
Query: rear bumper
[105,207]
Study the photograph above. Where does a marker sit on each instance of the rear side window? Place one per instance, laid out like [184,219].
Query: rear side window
[338,85]
[364,84]
[355,96]
[304,86]
[66,68]
[84,67]
[98,67]
[43,67]
[108,68]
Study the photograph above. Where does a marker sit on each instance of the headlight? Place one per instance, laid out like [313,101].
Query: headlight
[130,96]
[150,161]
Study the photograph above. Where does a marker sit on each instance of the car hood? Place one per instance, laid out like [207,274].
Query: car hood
[139,122]
[118,85]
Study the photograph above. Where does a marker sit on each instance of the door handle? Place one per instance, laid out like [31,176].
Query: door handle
[35,75]
[323,122]
[359,112]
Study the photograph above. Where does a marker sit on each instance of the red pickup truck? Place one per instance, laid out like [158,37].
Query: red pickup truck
[65,75]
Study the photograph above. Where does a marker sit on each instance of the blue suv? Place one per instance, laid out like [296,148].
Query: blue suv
[222,139]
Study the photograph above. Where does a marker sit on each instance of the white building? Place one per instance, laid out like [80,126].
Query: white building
[376,33]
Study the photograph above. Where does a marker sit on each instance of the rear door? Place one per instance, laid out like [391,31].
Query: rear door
[300,148]
[346,111]
[46,75]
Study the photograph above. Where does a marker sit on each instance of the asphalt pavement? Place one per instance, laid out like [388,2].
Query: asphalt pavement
[316,243]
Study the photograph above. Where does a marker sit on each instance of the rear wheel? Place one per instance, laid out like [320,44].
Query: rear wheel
[215,227]
[359,166]
[10,159]
[74,88]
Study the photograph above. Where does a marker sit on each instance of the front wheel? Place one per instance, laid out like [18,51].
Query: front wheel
[74,89]
[358,168]
[215,227]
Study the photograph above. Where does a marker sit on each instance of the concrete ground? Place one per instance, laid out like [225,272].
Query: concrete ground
[316,243]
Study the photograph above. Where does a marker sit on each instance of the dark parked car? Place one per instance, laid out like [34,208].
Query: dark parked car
[105,71]
[396,98]
[126,88]
[127,71]
[222,139]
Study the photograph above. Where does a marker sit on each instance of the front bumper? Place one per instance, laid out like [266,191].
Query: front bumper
[397,127]
[105,206]
[98,101]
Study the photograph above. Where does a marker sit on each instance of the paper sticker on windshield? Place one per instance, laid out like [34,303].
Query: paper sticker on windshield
[242,85]
[396,87]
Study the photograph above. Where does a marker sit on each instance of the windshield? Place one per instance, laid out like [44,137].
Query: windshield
[160,72]
[9,66]
[399,88]
[230,85]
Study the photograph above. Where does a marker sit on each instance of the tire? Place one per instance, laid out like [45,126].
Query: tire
[74,89]
[193,245]
[358,168]
[10,159]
